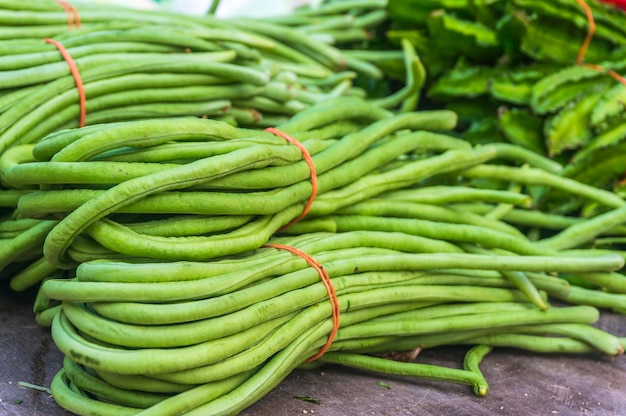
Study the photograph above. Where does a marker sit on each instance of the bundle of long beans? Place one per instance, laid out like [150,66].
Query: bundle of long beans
[137,65]
[214,337]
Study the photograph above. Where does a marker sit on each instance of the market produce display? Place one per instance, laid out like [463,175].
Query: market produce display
[205,205]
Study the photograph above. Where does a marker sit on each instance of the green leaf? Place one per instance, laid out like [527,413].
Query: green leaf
[611,138]
[523,128]
[610,21]
[512,93]
[509,31]
[514,86]
[609,111]
[570,128]
[556,40]
[484,131]
[459,37]
[462,81]
[601,163]
[470,110]
[488,12]
[554,91]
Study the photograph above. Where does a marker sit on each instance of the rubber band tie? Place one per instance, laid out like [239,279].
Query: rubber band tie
[73,19]
[309,161]
[79,83]
[330,289]
[583,49]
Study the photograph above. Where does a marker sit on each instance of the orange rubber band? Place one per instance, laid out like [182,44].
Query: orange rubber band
[592,66]
[617,76]
[583,49]
[590,33]
[309,161]
[332,294]
[79,83]
[73,19]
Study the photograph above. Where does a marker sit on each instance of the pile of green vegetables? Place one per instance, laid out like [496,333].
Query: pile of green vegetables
[514,71]
[168,300]
[153,233]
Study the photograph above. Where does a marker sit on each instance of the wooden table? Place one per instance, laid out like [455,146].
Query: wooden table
[520,383]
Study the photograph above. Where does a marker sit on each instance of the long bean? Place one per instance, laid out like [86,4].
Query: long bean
[535,343]
[432,229]
[251,234]
[472,360]
[51,55]
[76,173]
[421,371]
[33,274]
[87,382]
[149,384]
[149,33]
[80,404]
[406,175]
[323,245]
[403,209]
[9,197]
[188,400]
[579,234]
[49,72]
[160,360]
[540,177]
[92,291]
[599,339]
[13,227]
[531,218]
[518,279]
[440,195]
[612,281]
[28,239]
[274,371]
[580,314]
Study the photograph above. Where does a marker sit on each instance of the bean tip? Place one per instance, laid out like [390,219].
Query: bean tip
[481,389]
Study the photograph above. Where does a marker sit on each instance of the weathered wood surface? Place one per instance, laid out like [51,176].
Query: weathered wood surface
[520,383]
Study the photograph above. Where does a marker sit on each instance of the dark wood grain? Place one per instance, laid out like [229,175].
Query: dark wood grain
[521,383]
